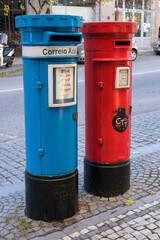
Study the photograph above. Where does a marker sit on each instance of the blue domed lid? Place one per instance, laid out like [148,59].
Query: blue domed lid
[48,21]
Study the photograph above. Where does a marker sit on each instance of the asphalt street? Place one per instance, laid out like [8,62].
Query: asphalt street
[145,94]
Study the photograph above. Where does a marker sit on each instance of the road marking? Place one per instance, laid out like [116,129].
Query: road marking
[81,81]
[143,54]
[141,73]
[11,90]
[146,72]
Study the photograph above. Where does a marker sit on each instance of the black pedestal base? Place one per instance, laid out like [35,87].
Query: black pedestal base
[51,198]
[106,180]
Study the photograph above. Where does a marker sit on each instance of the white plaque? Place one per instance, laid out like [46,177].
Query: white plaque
[64,83]
[122,77]
[61,85]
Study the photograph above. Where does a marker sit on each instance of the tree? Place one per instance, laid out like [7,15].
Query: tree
[7,7]
[39,5]
[47,4]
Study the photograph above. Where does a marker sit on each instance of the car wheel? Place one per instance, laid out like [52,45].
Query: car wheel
[134,54]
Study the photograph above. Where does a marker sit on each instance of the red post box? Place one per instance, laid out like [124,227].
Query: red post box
[108,81]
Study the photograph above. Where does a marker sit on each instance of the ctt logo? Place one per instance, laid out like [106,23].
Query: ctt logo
[120,120]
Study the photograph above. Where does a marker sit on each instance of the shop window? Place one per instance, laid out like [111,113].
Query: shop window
[120,3]
[147,4]
[129,17]
[138,4]
[129,4]
[138,20]
[81,3]
[120,16]
[146,24]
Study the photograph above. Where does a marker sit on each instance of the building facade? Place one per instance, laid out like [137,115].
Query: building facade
[9,9]
[145,12]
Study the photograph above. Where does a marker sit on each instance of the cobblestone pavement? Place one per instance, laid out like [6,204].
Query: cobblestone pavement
[97,218]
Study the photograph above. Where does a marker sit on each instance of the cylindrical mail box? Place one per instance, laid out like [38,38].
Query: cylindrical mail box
[49,49]
[108,81]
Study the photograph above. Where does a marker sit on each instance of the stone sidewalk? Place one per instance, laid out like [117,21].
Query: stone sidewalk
[97,218]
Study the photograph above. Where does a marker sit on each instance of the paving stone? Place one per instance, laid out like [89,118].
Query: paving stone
[84,231]
[146,232]
[127,236]
[92,228]
[153,237]
[117,228]
[96,237]
[151,226]
[128,230]
[100,224]
[73,235]
[113,236]
[67,238]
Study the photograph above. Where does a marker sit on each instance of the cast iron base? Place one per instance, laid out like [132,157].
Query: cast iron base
[106,180]
[51,198]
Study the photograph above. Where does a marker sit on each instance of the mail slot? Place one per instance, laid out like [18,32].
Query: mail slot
[108,81]
[49,49]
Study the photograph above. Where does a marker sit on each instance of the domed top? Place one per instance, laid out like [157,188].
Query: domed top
[48,21]
[109,27]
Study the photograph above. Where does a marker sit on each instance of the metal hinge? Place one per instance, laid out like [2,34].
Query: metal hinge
[41,151]
[100,141]
[39,85]
[101,84]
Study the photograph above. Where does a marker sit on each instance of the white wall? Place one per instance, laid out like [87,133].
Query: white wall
[107,11]
[86,12]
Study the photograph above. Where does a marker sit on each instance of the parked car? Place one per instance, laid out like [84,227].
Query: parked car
[156,48]
[81,58]
[134,52]
[80,53]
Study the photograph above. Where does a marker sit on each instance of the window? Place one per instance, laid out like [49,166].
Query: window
[147,4]
[146,24]
[120,3]
[129,4]
[138,4]
[81,3]
[120,16]
[138,20]
[129,17]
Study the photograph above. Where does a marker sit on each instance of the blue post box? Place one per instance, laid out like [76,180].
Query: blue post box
[49,52]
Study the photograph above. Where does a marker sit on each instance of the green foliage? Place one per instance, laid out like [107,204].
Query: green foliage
[25,225]
[7,219]
[88,208]
[10,72]
[7,7]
